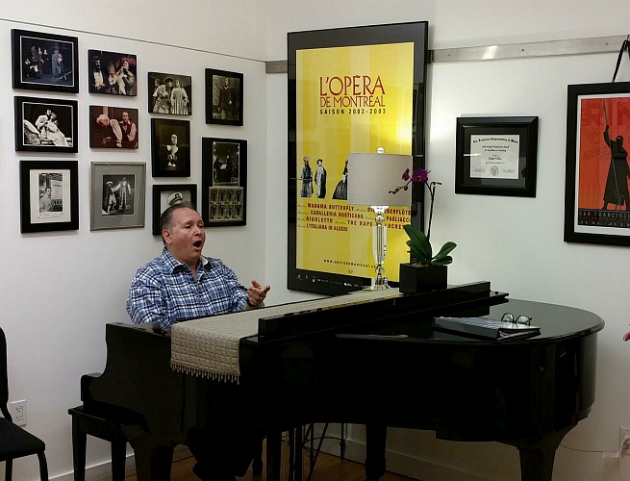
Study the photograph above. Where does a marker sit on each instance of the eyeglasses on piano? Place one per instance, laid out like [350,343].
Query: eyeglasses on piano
[509,317]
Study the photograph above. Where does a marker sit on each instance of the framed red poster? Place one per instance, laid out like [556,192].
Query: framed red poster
[597,200]
[351,90]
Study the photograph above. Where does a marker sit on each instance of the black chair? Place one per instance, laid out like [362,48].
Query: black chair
[15,442]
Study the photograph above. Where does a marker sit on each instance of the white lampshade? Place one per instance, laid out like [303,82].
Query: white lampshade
[373,177]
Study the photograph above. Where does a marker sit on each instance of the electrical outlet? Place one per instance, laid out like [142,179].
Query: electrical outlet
[18,412]
[624,433]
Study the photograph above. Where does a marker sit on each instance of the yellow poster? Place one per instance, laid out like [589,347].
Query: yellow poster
[349,100]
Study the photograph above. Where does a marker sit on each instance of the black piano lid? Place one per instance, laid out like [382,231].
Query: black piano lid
[299,323]
[557,323]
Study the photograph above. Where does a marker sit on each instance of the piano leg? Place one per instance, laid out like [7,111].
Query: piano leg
[79,442]
[537,458]
[153,454]
[375,439]
[274,455]
[295,453]
[257,464]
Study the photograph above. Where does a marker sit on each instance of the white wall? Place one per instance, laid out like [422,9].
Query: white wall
[58,290]
[515,243]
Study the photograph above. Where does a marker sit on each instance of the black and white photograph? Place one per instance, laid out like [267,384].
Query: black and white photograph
[46,125]
[224,174]
[43,61]
[117,195]
[113,128]
[224,97]
[112,73]
[165,196]
[170,148]
[49,196]
[169,94]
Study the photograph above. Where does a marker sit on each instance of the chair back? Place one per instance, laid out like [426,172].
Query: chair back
[4,380]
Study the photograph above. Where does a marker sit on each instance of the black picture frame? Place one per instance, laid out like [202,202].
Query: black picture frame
[224,182]
[170,194]
[49,195]
[224,106]
[413,34]
[117,193]
[45,61]
[112,73]
[496,155]
[46,125]
[169,159]
[113,127]
[169,94]
[597,172]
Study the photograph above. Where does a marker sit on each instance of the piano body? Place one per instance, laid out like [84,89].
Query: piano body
[380,363]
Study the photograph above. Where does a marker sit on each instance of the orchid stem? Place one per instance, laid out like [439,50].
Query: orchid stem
[432,192]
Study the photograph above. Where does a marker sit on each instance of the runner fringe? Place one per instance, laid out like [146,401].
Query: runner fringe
[203,373]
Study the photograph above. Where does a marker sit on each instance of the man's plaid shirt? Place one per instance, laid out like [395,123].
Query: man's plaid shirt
[164,291]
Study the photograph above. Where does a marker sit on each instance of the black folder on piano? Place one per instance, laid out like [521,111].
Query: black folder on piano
[485,328]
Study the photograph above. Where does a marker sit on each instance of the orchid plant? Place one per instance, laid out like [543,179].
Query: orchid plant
[419,243]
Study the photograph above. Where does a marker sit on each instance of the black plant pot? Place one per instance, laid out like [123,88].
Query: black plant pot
[421,278]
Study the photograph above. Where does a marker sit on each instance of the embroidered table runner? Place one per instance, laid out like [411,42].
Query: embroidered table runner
[208,347]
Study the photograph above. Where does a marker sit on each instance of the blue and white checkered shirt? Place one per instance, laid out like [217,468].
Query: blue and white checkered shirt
[164,291]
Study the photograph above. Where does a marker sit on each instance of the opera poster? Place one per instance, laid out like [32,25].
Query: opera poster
[349,99]
[598,130]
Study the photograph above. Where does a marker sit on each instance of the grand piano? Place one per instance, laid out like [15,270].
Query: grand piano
[379,362]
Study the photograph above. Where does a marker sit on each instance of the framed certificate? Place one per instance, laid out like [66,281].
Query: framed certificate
[496,156]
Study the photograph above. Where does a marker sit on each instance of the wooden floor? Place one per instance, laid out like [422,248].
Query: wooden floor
[328,468]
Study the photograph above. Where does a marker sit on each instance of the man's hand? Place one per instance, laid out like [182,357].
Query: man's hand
[256,294]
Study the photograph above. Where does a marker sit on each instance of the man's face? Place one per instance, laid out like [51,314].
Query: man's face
[125,117]
[186,237]
[48,191]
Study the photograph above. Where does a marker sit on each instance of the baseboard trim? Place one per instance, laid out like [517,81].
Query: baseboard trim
[105,469]
[398,463]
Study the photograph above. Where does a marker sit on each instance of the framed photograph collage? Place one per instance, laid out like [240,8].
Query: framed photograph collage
[49,189]
[224,174]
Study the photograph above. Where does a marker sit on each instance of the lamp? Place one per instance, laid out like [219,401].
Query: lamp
[372,180]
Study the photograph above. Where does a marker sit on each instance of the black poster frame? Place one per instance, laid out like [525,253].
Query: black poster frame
[605,226]
[415,32]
